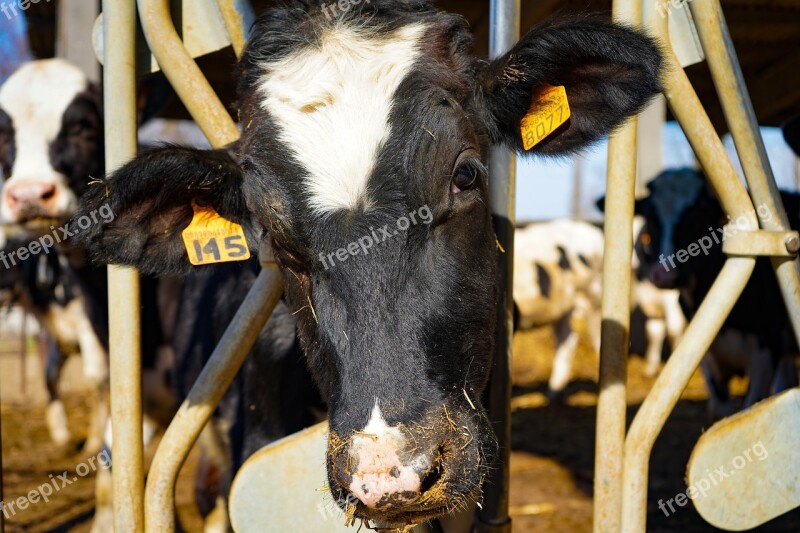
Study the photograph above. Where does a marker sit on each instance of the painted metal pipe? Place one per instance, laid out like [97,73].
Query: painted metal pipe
[119,81]
[504,28]
[183,73]
[205,395]
[238,17]
[707,146]
[669,386]
[611,402]
[741,117]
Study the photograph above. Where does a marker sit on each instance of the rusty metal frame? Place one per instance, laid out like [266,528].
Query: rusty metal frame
[622,460]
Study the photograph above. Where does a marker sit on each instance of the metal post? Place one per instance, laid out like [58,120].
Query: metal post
[504,33]
[205,395]
[611,402]
[742,121]
[119,80]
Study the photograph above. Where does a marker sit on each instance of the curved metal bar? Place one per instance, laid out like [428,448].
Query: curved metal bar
[206,393]
[238,16]
[119,79]
[184,74]
[669,386]
[741,118]
[707,146]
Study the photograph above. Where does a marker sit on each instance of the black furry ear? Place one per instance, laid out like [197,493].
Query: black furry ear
[142,209]
[609,71]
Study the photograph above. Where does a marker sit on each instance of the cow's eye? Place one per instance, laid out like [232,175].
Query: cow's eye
[80,127]
[465,178]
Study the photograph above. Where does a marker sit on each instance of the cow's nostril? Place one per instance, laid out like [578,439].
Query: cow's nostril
[48,192]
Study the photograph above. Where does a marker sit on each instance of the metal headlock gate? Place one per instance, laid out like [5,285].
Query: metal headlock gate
[622,461]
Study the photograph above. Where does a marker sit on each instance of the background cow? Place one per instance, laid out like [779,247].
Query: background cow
[756,340]
[351,124]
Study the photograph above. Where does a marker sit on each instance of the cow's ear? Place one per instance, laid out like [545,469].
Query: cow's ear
[141,210]
[609,72]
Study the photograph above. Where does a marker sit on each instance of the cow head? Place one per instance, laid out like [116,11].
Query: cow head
[51,142]
[680,211]
[363,160]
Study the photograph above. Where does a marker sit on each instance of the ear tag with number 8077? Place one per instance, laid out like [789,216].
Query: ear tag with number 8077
[548,111]
[211,239]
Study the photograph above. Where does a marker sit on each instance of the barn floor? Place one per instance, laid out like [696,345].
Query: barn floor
[551,466]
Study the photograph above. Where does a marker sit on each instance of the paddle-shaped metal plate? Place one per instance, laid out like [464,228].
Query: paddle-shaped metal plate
[745,470]
[282,488]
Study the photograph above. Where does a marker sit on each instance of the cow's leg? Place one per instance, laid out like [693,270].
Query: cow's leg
[786,376]
[214,478]
[656,329]
[95,370]
[675,319]
[717,380]
[567,343]
[55,414]
[761,371]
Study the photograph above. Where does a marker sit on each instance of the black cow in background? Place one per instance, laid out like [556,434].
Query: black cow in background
[684,221]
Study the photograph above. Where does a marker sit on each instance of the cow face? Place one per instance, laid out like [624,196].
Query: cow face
[51,142]
[363,161]
[678,211]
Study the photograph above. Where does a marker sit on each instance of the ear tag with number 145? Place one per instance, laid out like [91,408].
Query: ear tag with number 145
[211,239]
[548,111]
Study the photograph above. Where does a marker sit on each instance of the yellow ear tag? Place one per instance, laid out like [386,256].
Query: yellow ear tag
[548,111]
[211,239]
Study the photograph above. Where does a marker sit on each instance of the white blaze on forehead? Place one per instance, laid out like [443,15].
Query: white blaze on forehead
[332,103]
[36,97]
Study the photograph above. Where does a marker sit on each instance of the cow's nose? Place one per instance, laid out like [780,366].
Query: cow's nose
[381,478]
[29,194]
[663,277]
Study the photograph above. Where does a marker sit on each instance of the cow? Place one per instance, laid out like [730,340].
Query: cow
[50,145]
[558,277]
[664,319]
[683,214]
[362,163]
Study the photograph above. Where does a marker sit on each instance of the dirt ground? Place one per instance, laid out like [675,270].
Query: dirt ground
[551,465]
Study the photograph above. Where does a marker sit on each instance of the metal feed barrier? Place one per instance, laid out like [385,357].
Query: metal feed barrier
[622,460]
[621,473]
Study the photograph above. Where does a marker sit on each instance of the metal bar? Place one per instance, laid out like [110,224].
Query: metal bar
[670,384]
[119,80]
[611,402]
[206,393]
[238,16]
[742,121]
[705,142]
[23,352]
[183,73]
[504,27]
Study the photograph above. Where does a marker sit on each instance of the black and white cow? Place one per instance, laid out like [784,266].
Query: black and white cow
[684,222]
[51,143]
[352,126]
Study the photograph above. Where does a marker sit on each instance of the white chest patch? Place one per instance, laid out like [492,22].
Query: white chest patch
[332,104]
